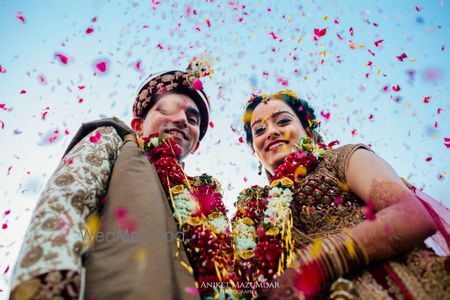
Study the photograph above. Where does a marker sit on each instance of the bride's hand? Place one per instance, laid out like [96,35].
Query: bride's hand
[284,288]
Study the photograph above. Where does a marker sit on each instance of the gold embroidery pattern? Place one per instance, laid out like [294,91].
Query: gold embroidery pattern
[321,206]
[316,214]
[49,263]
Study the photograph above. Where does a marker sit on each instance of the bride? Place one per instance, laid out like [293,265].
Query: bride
[334,223]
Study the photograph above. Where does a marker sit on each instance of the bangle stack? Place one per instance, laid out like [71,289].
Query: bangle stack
[328,259]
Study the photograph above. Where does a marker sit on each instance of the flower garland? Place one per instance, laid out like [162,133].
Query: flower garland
[201,216]
[262,225]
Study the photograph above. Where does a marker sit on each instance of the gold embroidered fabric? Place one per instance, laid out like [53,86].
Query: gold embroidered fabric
[49,263]
[323,205]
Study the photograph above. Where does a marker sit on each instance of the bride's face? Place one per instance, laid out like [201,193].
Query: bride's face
[275,129]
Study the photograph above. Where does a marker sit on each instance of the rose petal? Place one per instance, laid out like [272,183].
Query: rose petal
[95,138]
[64,59]
[197,84]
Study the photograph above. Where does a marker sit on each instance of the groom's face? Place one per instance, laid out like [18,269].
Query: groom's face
[173,116]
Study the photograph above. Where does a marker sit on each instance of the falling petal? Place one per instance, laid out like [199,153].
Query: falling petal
[377,43]
[101,66]
[192,291]
[20,18]
[325,115]
[447,142]
[64,59]
[197,84]
[95,138]
[369,211]
[401,57]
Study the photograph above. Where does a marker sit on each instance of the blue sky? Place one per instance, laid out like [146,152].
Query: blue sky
[256,45]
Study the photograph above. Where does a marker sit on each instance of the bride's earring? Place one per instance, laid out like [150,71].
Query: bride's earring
[260,169]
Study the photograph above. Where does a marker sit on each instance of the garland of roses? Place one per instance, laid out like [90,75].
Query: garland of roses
[262,225]
[200,213]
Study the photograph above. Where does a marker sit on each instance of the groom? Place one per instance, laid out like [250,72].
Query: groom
[144,263]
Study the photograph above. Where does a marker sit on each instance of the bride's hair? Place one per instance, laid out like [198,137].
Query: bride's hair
[302,110]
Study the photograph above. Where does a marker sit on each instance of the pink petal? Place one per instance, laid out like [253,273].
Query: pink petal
[402,56]
[211,124]
[23,92]
[274,36]
[101,66]
[197,84]
[369,211]
[89,30]
[137,66]
[396,88]
[192,291]
[208,22]
[68,161]
[351,31]
[21,18]
[4,226]
[325,115]
[64,59]
[338,200]
[284,82]
[241,139]
[429,158]
[447,142]
[2,69]
[42,79]
[426,99]
[121,213]
[95,138]
[377,43]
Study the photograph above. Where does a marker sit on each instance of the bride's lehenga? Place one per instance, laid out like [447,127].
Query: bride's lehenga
[417,274]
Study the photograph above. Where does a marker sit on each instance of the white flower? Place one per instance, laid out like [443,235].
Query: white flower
[184,206]
[244,243]
[154,141]
[220,224]
[278,208]
[245,236]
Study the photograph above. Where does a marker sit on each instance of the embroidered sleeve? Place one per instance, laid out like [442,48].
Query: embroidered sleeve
[343,155]
[49,262]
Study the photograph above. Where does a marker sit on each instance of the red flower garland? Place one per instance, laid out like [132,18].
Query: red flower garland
[209,249]
[264,261]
